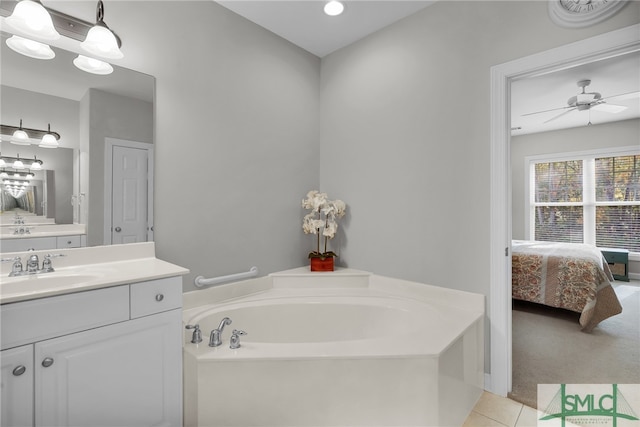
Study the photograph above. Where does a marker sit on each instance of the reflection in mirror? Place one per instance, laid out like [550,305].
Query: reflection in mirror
[50,191]
[84,109]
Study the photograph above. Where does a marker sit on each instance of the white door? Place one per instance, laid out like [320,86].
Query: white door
[129,194]
[128,374]
[17,386]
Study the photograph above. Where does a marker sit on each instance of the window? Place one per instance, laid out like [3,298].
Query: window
[586,198]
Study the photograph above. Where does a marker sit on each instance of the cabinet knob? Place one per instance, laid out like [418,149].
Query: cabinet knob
[19,370]
[159,297]
[48,361]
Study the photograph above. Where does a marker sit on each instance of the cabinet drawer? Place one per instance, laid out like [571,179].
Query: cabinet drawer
[30,321]
[155,296]
[26,243]
[68,242]
[613,257]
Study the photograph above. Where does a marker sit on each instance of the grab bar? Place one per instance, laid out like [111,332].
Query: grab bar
[200,281]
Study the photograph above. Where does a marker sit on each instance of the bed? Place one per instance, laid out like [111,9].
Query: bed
[572,276]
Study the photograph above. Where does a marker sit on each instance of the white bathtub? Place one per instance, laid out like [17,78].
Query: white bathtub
[334,349]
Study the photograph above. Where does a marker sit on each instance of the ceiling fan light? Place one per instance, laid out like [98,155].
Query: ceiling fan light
[32,19]
[93,66]
[30,48]
[609,108]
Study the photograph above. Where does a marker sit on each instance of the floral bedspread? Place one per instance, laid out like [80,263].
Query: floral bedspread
[571,276]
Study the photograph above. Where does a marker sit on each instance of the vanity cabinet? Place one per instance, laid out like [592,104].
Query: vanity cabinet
[17,386]
[104,362]
[42,243]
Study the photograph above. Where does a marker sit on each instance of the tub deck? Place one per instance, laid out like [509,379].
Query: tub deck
[356,349]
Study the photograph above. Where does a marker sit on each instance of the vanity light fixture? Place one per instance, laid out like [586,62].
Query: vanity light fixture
[27,136]
[97,39]
[30,48]
[92,65]
[334,8]
[17,163]
[49,140]
[101,41]
[32,19]
[19,136]
[37,164]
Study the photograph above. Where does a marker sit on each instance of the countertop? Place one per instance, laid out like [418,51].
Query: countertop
[48,230]
[83,269]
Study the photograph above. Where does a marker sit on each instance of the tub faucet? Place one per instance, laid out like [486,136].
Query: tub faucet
[235,338]
[197,334]
[214,339]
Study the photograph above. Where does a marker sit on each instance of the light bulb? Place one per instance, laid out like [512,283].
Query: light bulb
[30,48]
[102,42]
[333,8]
[93,66]
[32,19]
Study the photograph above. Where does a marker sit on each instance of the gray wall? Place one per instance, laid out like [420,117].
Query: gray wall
[112,116]
[617,134]
[405,135]
[236,135]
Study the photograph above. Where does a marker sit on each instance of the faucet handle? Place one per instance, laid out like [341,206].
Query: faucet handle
[197,334]
[235,338]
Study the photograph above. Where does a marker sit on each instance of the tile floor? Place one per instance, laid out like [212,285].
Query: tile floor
[496,411]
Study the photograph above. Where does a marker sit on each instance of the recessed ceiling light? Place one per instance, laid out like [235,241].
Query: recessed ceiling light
[333,8]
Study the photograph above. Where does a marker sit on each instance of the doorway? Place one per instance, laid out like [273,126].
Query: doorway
[600,47]
[128,212]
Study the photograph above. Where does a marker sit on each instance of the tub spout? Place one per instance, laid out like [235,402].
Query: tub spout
[215,337]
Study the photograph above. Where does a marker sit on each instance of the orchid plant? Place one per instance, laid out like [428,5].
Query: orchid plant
[322,220]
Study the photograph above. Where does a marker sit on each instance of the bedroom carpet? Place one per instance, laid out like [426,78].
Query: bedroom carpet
[550,348]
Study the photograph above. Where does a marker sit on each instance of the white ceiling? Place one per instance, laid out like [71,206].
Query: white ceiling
[610,77]
[304,23]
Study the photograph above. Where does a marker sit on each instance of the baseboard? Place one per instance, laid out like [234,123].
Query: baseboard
[634,276]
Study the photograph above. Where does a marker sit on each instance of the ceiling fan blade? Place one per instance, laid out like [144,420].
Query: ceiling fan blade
[623,96]
[608,108]
[546,111]
[560,115]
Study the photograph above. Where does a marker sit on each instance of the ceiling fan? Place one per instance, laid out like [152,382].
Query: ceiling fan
[587,101]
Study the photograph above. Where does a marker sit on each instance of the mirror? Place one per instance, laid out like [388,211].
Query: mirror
[84,109]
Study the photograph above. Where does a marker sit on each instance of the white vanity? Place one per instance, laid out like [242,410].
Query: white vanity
[97,342]
[22,237]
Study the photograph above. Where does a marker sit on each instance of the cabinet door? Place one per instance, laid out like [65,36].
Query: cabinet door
[17,386]
[127,374]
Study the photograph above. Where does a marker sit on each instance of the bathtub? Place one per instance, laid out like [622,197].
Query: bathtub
[345,348]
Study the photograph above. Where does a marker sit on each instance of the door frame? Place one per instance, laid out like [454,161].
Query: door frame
[109,143]
[607,45]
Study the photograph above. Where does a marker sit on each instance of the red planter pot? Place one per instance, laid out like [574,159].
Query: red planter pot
[319,264]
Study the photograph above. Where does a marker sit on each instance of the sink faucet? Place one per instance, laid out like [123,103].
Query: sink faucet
[214,339]
[33,264]
[16,267]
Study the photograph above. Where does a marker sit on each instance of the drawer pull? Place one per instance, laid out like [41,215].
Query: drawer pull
[159,297]
[19,370]
[48,361]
